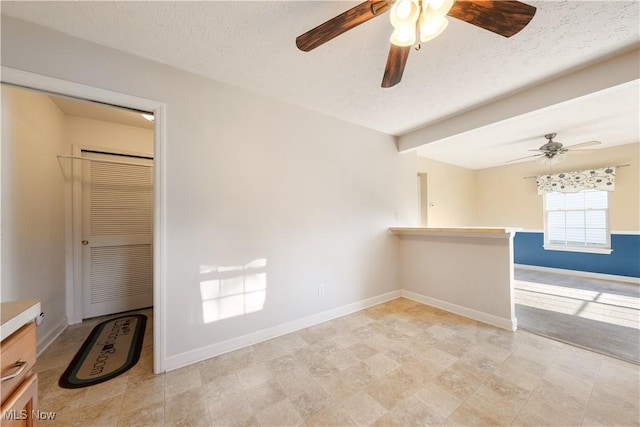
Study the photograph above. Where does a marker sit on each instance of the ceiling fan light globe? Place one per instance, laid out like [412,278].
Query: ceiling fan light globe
[403,36]
[439,7]
[404,12]
[432,26]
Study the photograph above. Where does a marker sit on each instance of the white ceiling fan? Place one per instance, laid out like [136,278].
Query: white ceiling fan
[554,151]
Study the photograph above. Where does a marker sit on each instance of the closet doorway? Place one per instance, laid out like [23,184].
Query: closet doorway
[64,294]
[108,162]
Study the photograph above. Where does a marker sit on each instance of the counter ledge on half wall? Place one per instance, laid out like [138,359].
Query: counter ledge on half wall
[457,231]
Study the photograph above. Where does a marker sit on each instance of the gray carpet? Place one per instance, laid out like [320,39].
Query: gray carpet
[613,340]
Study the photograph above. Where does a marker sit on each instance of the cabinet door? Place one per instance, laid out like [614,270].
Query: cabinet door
[17,358]
[20,409]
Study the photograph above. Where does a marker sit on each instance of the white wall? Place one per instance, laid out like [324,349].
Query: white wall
[249,178]
[33,205]
[467,273]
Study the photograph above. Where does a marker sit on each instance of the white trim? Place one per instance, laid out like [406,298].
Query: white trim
[45,342]
[585,249]
[41,82]
[500,322]
[66,88]
[111,162]
[624,232]
[202,353]
[159,240]
[74,311]
[589,274]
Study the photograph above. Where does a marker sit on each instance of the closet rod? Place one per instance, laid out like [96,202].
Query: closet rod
[103,161]
[535,176]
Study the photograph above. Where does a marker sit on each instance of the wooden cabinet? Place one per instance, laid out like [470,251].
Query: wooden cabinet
[19,382]
[20,408]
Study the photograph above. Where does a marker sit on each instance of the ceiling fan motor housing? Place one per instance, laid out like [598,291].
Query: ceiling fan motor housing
[552,146]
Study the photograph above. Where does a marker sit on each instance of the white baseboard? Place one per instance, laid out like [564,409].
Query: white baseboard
[588,274]
[197,355]
[509,324]
[46,341]
[74,321]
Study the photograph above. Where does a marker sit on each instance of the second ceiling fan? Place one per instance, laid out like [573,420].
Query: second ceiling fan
[553,150]
[416,21]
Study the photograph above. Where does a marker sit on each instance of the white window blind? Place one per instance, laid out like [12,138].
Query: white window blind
[577,220]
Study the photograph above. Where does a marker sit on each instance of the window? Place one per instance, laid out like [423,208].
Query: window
[577,221]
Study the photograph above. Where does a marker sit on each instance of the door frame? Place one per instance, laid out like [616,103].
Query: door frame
[56,86]
[423,199]
[77,215]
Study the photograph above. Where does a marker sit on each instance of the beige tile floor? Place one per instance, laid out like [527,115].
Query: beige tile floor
[396,364]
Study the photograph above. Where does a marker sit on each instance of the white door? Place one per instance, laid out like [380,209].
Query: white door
[117,230]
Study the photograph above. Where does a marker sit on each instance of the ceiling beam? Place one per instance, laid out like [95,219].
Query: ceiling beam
[597,77]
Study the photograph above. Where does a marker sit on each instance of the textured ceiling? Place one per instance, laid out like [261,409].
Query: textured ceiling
[252,45]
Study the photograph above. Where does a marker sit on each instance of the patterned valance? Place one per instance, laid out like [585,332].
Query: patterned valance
[572,182]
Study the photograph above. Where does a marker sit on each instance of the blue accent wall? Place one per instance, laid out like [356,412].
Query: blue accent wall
[623,261]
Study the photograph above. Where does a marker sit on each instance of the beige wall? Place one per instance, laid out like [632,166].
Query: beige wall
[33,205]
[501,197]
[450,193]
[504,198]
[105,135]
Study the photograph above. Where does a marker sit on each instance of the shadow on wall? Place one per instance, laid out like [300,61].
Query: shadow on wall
[231,291]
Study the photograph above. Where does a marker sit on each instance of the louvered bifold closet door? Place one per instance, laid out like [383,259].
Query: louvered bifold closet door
[117,235]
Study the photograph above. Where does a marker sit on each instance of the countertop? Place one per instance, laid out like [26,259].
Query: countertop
[456,231]
[16,314]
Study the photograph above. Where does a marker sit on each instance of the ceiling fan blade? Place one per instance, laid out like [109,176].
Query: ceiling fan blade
[522,158]
[396,62]
[503,17]
[581,145]
[341,23]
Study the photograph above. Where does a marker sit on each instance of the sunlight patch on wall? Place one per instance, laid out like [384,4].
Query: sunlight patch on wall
[231,291]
